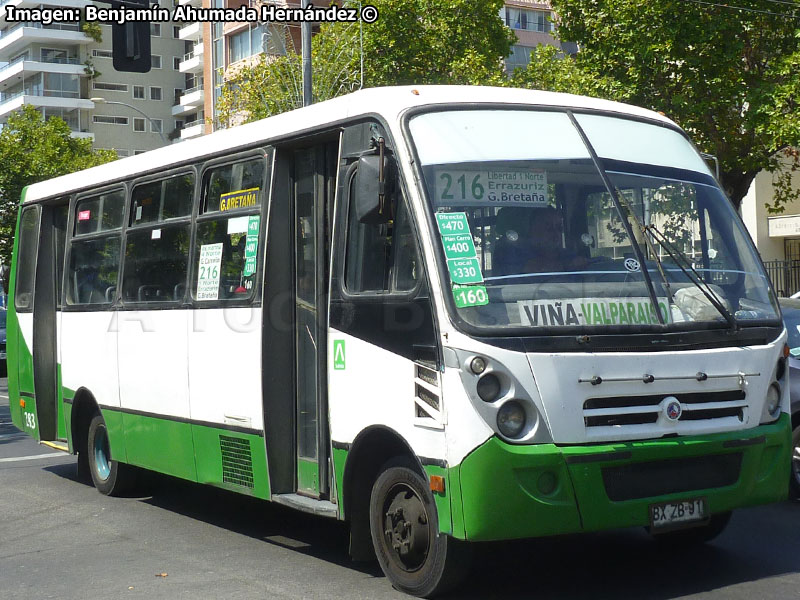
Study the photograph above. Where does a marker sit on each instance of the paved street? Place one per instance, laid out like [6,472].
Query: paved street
[61,539]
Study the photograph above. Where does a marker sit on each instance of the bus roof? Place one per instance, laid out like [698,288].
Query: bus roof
[389,102]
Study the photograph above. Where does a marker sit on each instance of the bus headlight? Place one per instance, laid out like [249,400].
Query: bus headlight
[772,404]
[488,387]
[511,419]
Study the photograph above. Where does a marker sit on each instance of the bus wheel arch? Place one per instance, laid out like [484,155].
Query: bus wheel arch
[84,409]
[371,450]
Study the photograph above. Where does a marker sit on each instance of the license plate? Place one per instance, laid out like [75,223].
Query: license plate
[675,514]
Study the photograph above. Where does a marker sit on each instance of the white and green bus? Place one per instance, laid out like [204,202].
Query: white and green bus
[444,315]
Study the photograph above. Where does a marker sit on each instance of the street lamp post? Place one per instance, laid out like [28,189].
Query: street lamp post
[104,101]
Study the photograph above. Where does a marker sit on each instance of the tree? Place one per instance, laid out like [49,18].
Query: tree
[412,42]
[33,149]
[729,76]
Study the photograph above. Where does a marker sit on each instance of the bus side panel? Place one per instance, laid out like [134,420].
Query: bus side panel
[368,386]
[225,390]
[160,444]
[232,460]
[154,391]
[89,363]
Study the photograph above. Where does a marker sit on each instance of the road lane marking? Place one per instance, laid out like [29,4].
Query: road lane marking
[34,457]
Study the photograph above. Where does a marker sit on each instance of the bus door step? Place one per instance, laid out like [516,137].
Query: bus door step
[323,508]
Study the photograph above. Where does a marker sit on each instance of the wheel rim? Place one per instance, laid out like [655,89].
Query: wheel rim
[406,528]
[101,454]
[796,464]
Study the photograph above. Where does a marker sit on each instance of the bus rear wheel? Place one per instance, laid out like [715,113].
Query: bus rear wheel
[413,555]
[109,476]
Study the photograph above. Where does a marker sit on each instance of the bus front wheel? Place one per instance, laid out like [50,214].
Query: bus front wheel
[415,557]
[109,476]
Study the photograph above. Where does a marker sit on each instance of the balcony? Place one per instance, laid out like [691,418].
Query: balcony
[190,101]
[192,31]
[193,61]
[23,35]
[193,129]
[12,102]
[14,72]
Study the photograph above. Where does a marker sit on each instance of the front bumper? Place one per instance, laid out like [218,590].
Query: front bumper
[510,491]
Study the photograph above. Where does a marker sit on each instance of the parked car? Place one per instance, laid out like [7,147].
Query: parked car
[791,318]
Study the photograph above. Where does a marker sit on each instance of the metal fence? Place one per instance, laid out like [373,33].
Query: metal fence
[785,276]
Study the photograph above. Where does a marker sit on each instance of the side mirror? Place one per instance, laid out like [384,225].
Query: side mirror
[374,183]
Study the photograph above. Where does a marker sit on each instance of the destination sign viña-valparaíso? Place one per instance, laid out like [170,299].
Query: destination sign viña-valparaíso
[591,311]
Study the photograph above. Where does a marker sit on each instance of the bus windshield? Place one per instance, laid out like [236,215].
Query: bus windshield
[535,235]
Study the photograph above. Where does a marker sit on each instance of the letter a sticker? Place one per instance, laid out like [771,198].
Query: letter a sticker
[338,355]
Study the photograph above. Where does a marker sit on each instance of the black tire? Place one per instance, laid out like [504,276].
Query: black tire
[84,475]
[696,536]
[414,557]
[109,476]
[794,481]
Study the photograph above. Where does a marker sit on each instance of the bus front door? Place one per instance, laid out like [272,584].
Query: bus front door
[313,184]
[295,320]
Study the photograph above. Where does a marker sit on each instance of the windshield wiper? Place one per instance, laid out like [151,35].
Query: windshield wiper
[684,263]
[615,197]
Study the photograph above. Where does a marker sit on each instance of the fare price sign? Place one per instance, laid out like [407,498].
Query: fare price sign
[465,270]
[462,259]
[251,246]
[490,187]
[459,245]
[470,295]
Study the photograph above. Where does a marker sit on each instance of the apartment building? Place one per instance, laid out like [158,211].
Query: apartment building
[533,24]
[215,49]
[60,68]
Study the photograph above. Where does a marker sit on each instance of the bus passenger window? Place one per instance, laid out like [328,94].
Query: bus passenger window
[156,261]
[26,259]
[157,258]
[234,186]
[381,257]
[94,254]
[93,268]
[227,240]
[99,213]
[225,268]
[162,200]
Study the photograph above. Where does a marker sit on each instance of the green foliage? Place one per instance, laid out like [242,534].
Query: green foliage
[90,69]
[729,77]
[31,150]
[549,69]
[412,42]
[93,30]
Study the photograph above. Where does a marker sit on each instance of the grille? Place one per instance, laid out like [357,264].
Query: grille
[656,478]
[237,461]
[643,410]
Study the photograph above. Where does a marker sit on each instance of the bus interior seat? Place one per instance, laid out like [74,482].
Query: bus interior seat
[150,293]
[110,291]
[509,219]
[179,291]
